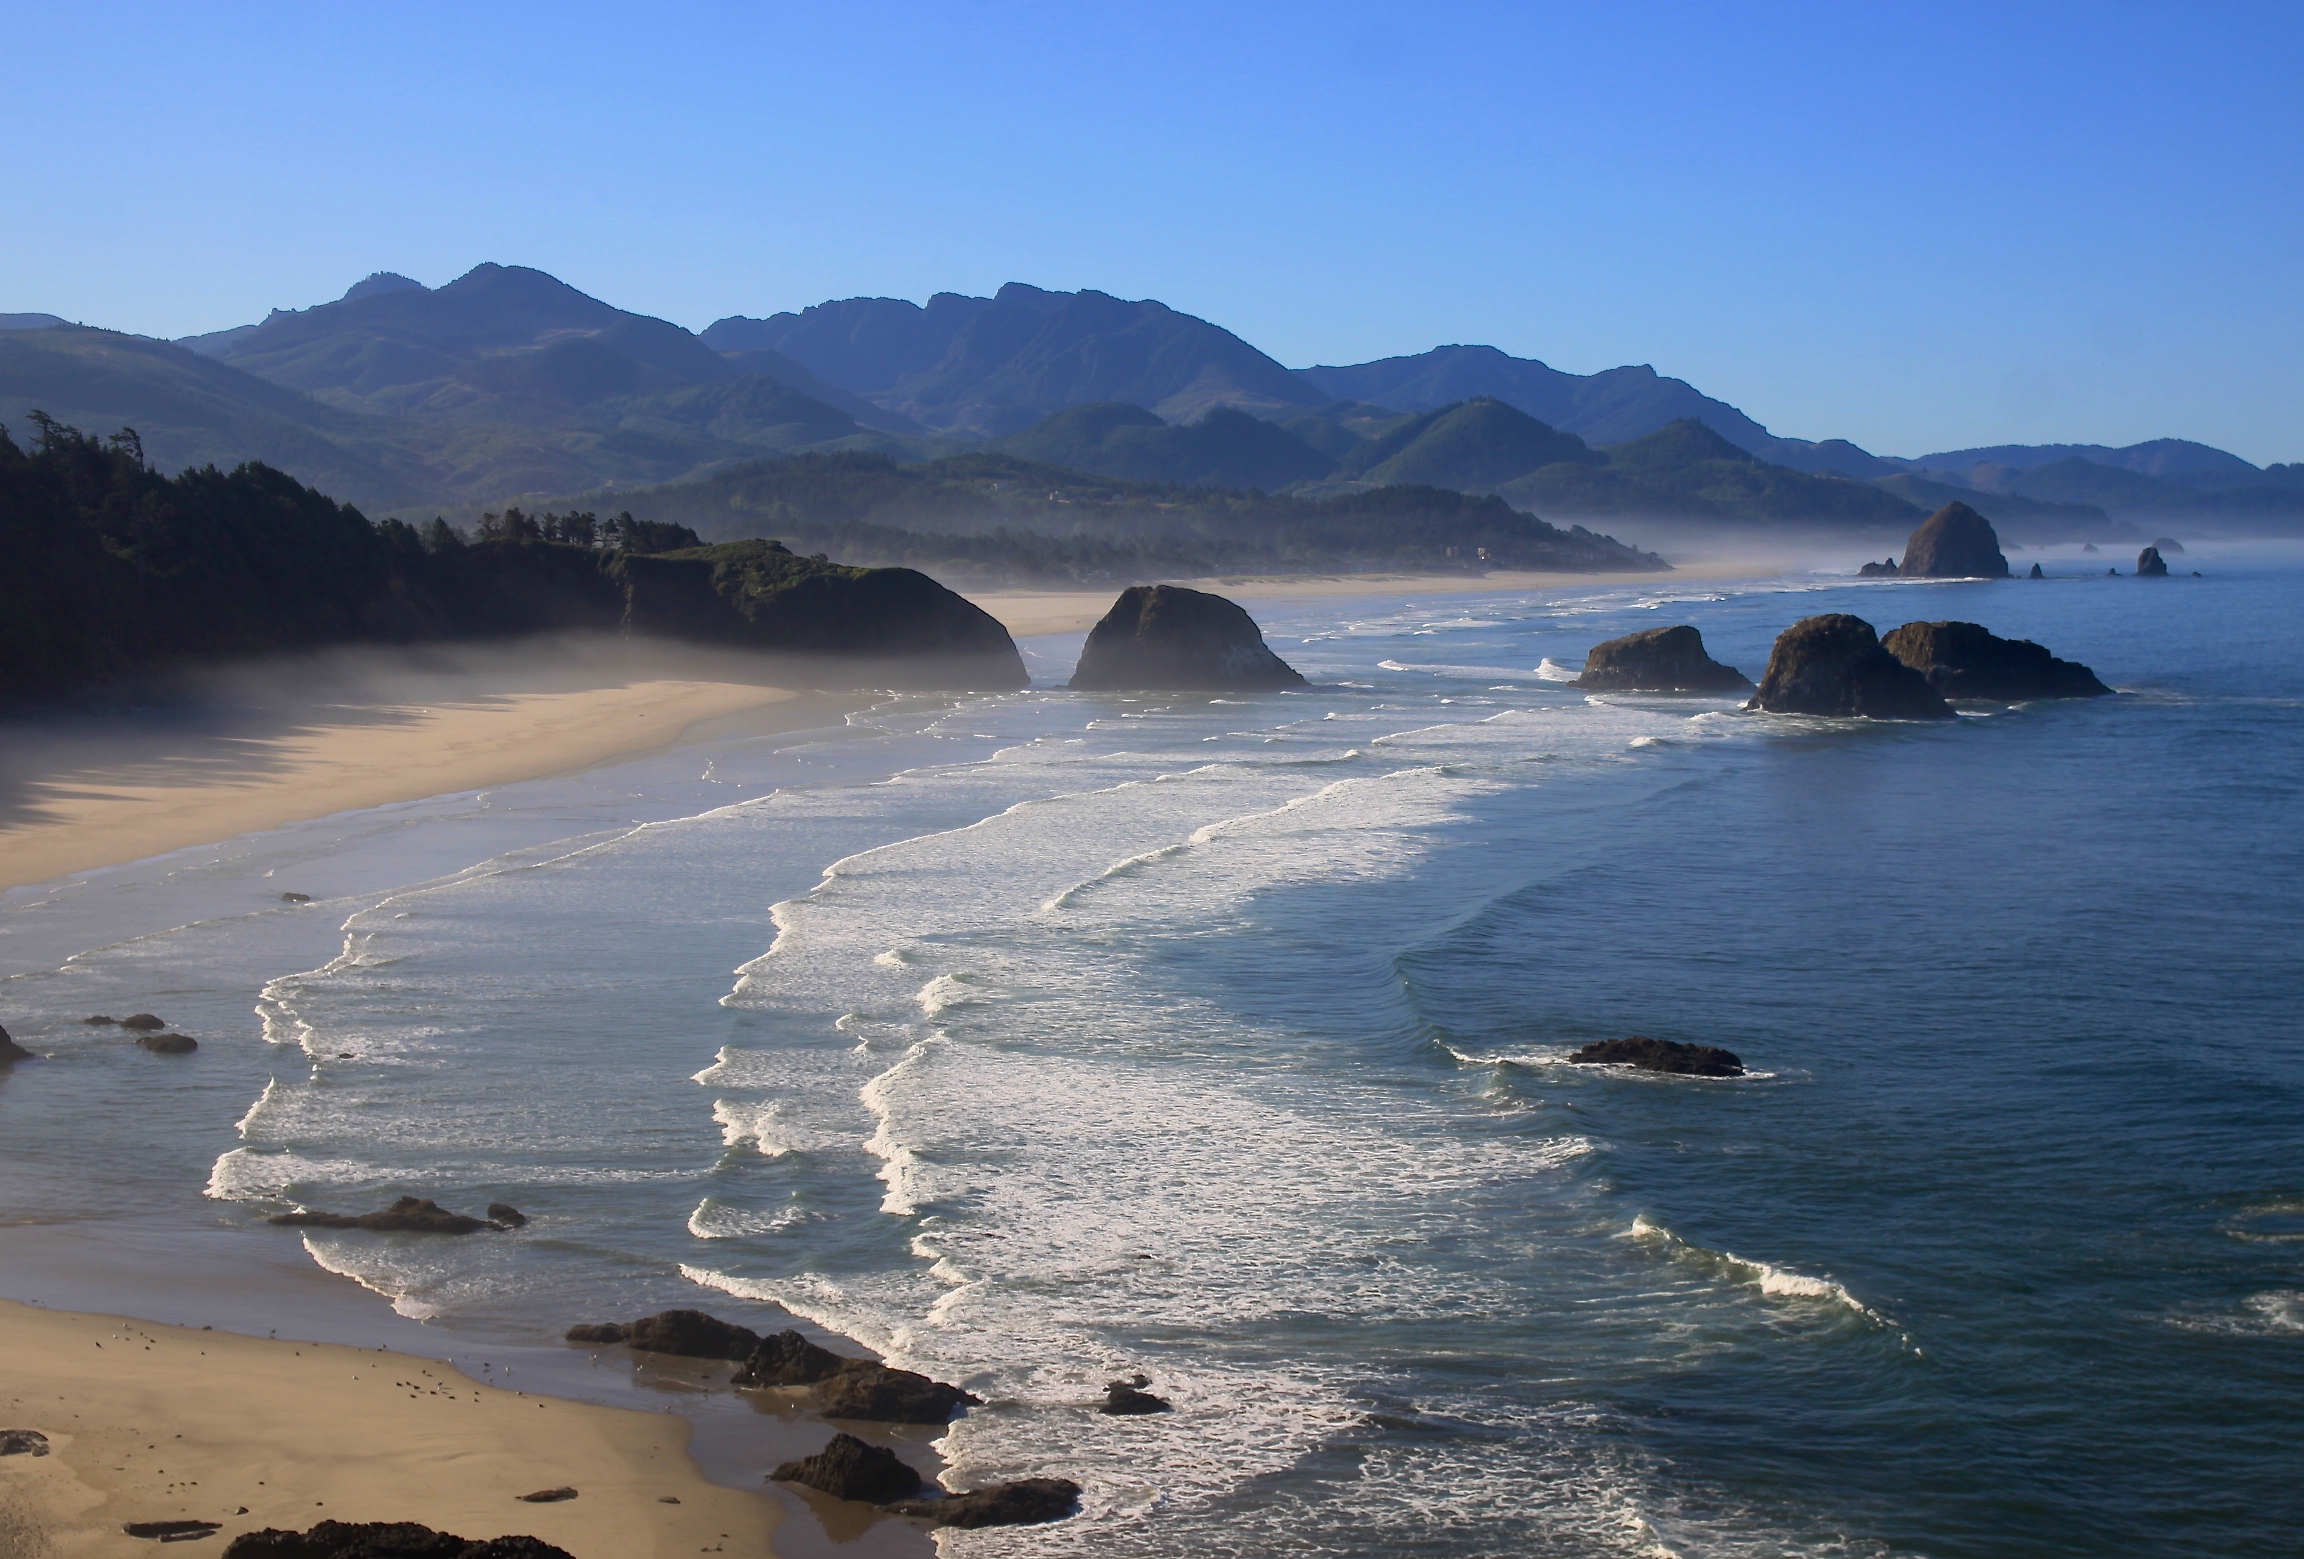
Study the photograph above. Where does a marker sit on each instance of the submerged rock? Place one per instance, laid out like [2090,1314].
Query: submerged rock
[1834,665]
[1127,1398]
[1954,543]
[1025,1502]
[295,898]
[867,1389]
[847,1468]
[102,1017]
[142,1020]
[2150,565]
[23,1442]
[788,1359]
[10,1051]
[1165,638]
[691,1334]
[383,1540]
[1966,660]
[409,1215]
[169,1044]
[1882,570]
[1661,1055]
[1659,660]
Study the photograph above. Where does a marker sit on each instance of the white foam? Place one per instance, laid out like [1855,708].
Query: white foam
[1773,1281]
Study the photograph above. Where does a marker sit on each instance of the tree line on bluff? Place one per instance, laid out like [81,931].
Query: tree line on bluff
[113,570]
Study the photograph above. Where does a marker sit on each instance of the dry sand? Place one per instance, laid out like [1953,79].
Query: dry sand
[158,1423]
[1028,612]
[102,790]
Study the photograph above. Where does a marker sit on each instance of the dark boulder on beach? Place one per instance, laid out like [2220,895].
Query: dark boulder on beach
[1164,638]
[10,1051]
[383,1540]
[178,1531]
[1661,1055]
[691,1334]
[169,1044]
[1966,660]
[1954,543]
[1885,569]
[1026,1502]
[1128,1398]
[142,1020]
[1659,660]
[788,1359]
[23,1442]
[2150,565]
[409,1215]
[847,1468]
[1834,665]
[869,1390]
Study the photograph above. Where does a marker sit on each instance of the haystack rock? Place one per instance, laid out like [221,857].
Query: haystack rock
[691,1334]
[1659,660]
[1954,543]
[1834,665]
[847,1468]
[1966,660]
[2150,565]
[1164,638]
[1025,1502]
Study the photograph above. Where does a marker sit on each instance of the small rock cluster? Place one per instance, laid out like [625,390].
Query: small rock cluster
[383,1540]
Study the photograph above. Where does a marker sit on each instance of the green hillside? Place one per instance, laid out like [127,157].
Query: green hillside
[1225,448]
[1476,446]
[1686,470]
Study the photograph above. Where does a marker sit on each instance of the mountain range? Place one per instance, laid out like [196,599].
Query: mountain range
[507,384]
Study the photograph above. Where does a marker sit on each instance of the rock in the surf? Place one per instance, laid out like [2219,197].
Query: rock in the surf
[1025,1502]
[1885,569]
[787,1359]
[1661,1055]
[383,1540]
[2150,565]
[408,1215]
[691,1334]
[1966,660]
[102,1017]
[295,898]
[1128,1398]
[505,1216]
[1659,660]
[869,1390]
[168,1044]
[849,1469]
[1834,665]
[1164,638]
[23,1442]
[10,1051]
[142,1021]
[1954,543]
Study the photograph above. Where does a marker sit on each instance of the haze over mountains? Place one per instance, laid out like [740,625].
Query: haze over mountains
[507,384]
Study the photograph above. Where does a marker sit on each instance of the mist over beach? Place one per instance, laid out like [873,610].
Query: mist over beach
[1019,782]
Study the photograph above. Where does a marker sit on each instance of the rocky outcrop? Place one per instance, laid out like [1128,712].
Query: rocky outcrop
[142,1021]
[691,1334]
[2150,565]
[409,1215]
[169,1044]
[1661,1055]
[1885,569]
[1164,638]
[23,1442]
[1834,665]
[869,1390]
[383,1540]
[849,1469]
[1659,660]
[2036,574]
[788,1359]
[1954,543]
[505,1216]
[1128,1398]
[1966,660]
[10,1051]
[1027,1501]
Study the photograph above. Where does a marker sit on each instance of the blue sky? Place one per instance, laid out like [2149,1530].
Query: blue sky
[1916,226]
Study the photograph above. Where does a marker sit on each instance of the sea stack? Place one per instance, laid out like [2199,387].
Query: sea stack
[1164,638]
[1954,543]
[1884,569]
[2150,565]
[1834,665]
[1966,660]
[1659,660]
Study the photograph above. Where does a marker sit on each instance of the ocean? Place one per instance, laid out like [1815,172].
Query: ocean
[1042,1039]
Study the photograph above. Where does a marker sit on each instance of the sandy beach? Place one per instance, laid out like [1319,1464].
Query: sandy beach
[1028,612]
[247,753]
[160,1423]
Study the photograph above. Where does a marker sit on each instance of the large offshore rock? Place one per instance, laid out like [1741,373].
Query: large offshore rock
[849,1469]
[1834,665]
[2150,565]
[1954,543]
[691,1334]
[1967,660]
[1659,660]
[1164,638]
